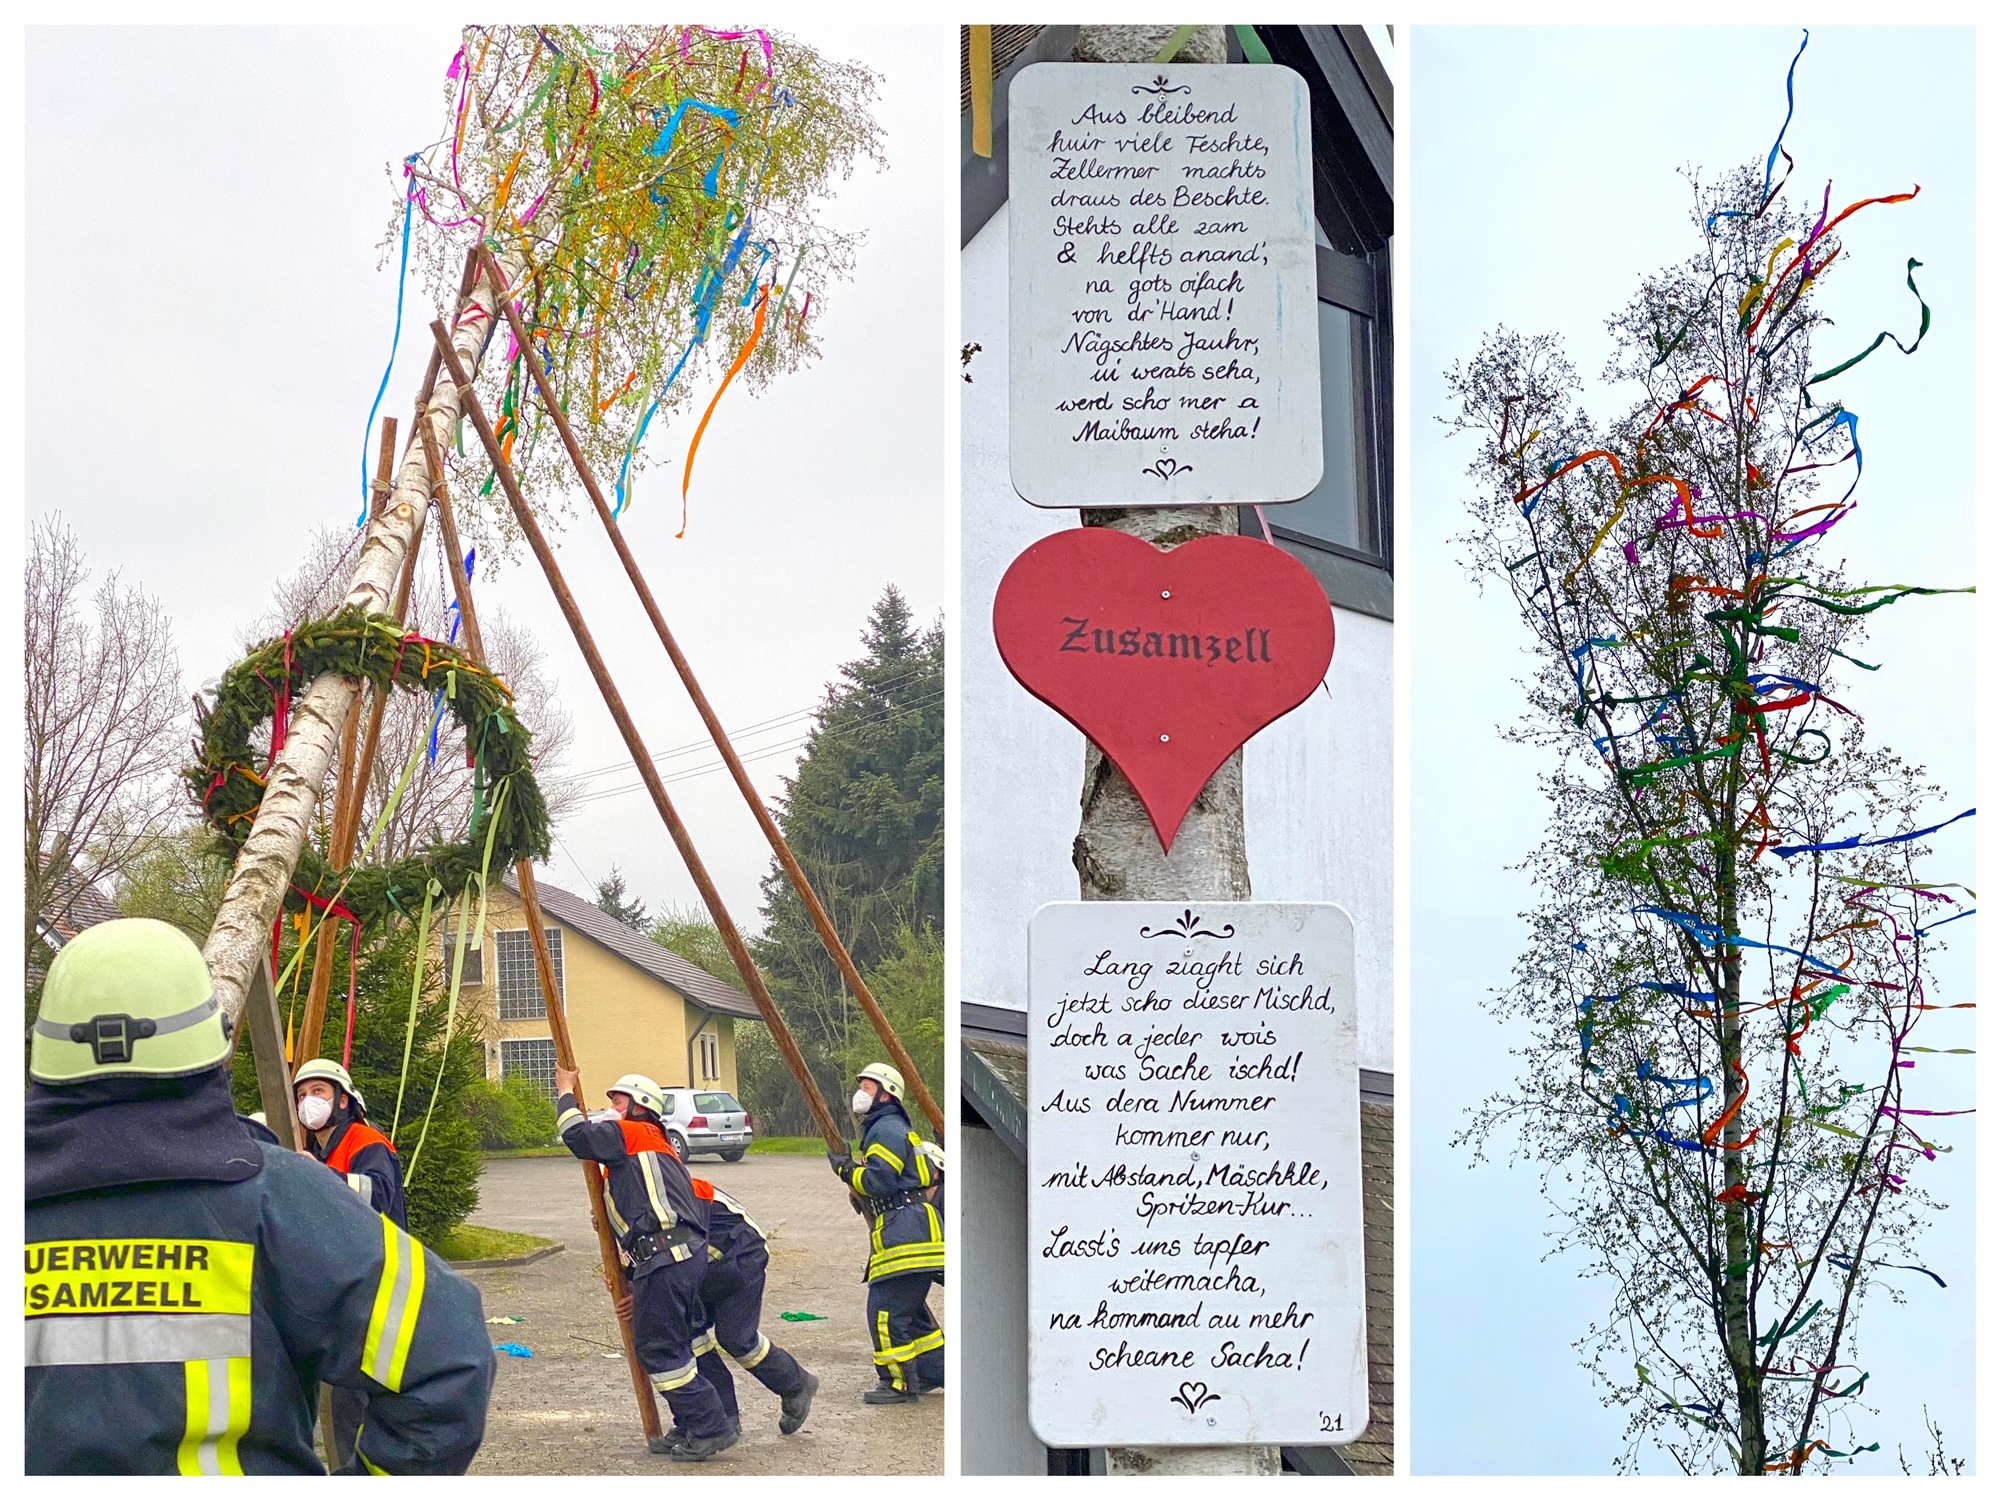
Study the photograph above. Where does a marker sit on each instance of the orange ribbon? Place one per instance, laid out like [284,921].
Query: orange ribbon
[742,359]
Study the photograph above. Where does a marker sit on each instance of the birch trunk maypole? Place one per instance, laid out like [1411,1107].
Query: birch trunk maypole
[1117,852]
[241,935]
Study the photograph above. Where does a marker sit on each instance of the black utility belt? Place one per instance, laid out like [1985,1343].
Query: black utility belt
[676,1244]
[894,1200]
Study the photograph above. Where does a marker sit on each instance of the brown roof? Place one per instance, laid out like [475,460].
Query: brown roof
[75,905]
[1374,1452]
[693,981]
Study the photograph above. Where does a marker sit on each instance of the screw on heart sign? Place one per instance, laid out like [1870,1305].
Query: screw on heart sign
[1168,660]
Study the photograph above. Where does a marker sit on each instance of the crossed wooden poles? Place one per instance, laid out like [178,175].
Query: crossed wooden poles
[356,767]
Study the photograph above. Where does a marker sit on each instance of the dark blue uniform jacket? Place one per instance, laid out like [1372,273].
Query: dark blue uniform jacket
[188,1285]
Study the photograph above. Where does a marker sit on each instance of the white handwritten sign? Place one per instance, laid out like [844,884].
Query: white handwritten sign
[1163,326]
[1194,1176]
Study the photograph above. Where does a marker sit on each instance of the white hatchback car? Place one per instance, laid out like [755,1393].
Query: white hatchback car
[698,1121]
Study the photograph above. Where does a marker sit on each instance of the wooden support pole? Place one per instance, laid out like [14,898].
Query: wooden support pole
[593,1177]
[642,759]
[306,1044]
[545,965]
[267,1050]
[772,833]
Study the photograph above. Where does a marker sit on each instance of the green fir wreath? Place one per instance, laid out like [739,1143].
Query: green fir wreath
[228,780]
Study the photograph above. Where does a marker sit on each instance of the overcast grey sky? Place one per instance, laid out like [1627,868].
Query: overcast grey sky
[1544,162]
[206,327]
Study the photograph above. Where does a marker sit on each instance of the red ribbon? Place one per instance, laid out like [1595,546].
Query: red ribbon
[332,908]
[282,712]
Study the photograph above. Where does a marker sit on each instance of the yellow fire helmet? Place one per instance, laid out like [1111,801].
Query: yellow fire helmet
[331,1072]
[888,1077]
[127,998]
[645,1093]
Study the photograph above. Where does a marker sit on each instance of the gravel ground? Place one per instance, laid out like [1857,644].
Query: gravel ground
[570,1409]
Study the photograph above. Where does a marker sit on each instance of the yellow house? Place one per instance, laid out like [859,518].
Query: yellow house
[633,1007]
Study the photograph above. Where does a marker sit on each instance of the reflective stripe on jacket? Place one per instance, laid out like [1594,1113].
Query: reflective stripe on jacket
[732,1233]
[907,1236]
[183,1327]
[648,1191]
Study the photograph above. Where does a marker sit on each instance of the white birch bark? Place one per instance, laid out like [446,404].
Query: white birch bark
[1117,853]
[264,866]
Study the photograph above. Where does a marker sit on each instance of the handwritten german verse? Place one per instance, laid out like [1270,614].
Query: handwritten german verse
[1194,1176]
[1164,338]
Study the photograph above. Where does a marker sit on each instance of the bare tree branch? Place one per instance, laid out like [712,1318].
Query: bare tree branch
[104,723]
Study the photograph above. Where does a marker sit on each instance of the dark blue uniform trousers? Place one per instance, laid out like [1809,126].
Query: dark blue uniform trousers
[732,1296]
[907,1338]
[666,1317]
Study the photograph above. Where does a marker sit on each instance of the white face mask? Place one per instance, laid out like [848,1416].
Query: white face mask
[862,1102]
[314,1112]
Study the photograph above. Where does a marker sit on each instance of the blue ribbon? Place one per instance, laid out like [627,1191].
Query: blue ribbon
[402,281]
[1710,935]
[1846,1263]
[1969,911]
[1777,148]
[665,140]
[455,618]
[437,721]
[1858,842]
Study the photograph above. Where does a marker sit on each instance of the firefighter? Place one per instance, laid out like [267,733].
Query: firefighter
[335,1116]
[662,1238]
[892,1173]
[189,1285]
[732,1298]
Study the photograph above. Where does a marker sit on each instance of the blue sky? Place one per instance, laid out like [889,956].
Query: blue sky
[1544,164]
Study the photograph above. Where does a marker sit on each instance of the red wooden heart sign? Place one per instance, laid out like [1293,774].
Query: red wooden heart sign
[1169,661]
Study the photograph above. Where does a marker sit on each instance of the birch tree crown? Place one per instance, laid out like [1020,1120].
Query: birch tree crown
[654,193]
[1736,932]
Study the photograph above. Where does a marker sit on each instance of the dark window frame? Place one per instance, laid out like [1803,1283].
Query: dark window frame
[473,975]
[1353,166]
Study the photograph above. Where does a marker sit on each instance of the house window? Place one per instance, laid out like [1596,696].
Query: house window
[1343,509]
[520,988]
[474,973]
[1342,530]
[709,1051]
[535,1057]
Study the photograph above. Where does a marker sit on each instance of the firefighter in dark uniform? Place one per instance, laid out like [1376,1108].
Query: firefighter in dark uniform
[335,1116]
[189,1285]
[891,1172]
[662,1237]
[732,1298]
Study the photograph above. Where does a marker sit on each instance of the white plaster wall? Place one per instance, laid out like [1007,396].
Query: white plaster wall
[1319,787]
[989,1271]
